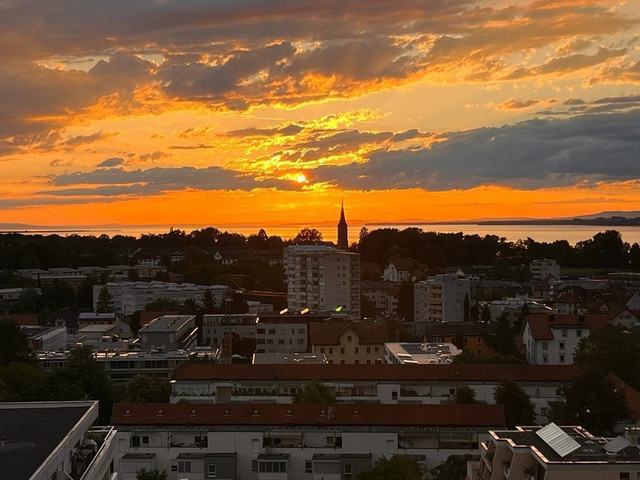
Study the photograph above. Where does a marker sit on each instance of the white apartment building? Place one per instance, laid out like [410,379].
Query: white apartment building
[322,278]
[441,298]
[46,338]
[169,332]
[543,268]
[384,295]
[551,339]
[129,297]
[556,453]
[286,334]
[374,383]
[55,441]
[216,326]
[292,442]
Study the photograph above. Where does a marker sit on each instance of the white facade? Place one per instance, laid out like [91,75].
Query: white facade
[541,269]
[441,298]
[555,349]
[322,278]
[129,297]
[281,337]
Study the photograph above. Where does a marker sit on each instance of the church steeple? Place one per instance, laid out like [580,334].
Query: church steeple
[343,231]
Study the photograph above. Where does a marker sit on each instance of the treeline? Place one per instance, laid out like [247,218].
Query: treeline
[439,250]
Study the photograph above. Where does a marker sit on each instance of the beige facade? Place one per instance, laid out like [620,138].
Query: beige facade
[352,345]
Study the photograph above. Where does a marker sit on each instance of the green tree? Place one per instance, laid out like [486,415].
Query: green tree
[467,312]
[14,345]
[612,349]
[501,337]
[208,302]
[308,235]
[105,301]
[146,389]
[518,408]
[162,304]
[592,402]
[145,474]
[465,395]
[314,392]
[454,468]
[405,301]
[82,377]
[24,382]
[398,467]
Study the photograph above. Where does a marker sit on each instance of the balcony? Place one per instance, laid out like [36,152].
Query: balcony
[93,457]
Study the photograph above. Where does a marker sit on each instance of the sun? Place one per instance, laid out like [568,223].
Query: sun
[302,178]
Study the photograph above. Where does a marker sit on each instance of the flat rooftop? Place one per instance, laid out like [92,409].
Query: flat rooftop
[591,448]
[167,323]
[32,432]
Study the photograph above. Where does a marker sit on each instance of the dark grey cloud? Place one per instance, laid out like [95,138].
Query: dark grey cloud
[111,162]
[118,181]
[532,154]
[287,130]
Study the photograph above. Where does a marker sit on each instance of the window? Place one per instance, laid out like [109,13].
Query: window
[348,470]
[543,411]
[357,362]
[545,346]
[356,350]
[578,333]
[561,345]
[211,471]
[368,349]
[341,350]
[321,349]
[301,331]
[272,331]
[376,349]
[308,466]
[479,351]
[561,358]
[330,349]
[564,332]
[348,338]
[281,341]
[544,359]
[134,441]
[342,362]
[145,440]
[394,395]
[254,465]
[479,340]
[260,331]
[625,476]
[184,467]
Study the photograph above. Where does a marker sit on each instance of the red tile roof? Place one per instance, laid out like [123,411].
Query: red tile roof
[307,414]
[23,319]
[541,324]
[386,372]
[632,396]
[329,333]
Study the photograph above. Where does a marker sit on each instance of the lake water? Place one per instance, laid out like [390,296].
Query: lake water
[540,233]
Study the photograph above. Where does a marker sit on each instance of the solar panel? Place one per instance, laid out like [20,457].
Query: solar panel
[558,440]
[616,444]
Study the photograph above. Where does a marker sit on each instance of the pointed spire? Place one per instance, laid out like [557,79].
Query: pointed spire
[343,230]
[343,220]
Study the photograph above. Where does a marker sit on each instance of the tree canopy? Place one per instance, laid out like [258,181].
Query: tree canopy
[518,408]
[592,402]
[398,467]
[314,392]
[14,345]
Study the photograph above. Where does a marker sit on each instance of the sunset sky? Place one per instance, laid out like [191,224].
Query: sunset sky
[271,112]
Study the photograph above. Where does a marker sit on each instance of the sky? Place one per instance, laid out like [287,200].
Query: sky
[273,112]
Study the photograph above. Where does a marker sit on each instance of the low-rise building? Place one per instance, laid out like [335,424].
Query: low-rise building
[46,338]
[348,343]
[466,335]
[385,383]
[297,441]
[420,353]
[556,453]
[169,332]
[55,441]
[552,338]
[216,326]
